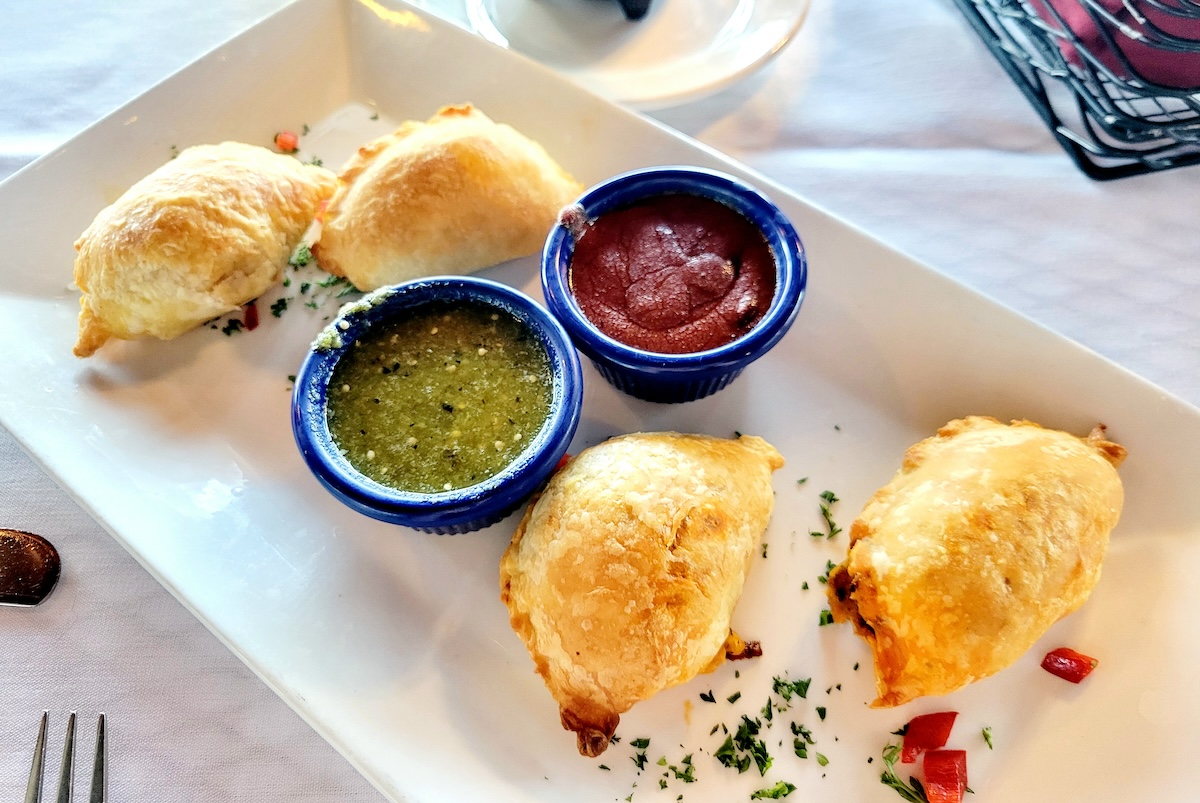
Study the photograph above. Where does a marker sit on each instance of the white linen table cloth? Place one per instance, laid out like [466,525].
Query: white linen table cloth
[892,115]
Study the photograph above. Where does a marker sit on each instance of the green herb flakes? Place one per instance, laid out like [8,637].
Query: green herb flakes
[826,617]
[278,307]
[231,326]
[733,698]
[987,737]
[776,792]
[828,499]
[913,791]
[824,762]
[786,688]
[707,696]
[301,258]
[821,712]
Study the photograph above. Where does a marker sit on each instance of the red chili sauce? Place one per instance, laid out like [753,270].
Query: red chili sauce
[673,274]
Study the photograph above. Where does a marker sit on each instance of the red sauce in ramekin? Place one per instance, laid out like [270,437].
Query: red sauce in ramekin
[673,274]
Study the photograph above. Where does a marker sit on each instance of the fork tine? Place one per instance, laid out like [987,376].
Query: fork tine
[33,791]
[66,775]
[99,793]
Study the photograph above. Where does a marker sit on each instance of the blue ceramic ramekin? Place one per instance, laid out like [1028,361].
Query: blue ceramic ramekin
[464,509]
[660,377]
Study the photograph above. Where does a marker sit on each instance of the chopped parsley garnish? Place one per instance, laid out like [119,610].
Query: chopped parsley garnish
[375,116]
[744,747]
[786,688]
[605,767]
[826,617]
[174,151]
[764,549]
[316,161]
[301,258]
[640,744]
[827,501]
[822,760]
[279,307]
[304,130]
[829,567]
[737,434]
[311,304]
[231,326]
[913,791]
[292,378]
[987,737]
[688,773]
[804,586]
[304,287]
[639,759]
[803,739]
[707,696]
[802,480]
[779,790]
[768,710]
[733,698]
[821,712]
[856,666]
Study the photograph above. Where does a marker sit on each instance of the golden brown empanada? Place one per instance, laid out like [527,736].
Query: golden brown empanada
[451,195]
[622,577]
[199,237]
[987,535]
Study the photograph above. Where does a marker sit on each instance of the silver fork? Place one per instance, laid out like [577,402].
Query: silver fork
[66,775]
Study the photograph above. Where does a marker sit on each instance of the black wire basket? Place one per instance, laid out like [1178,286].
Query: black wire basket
[1116,81]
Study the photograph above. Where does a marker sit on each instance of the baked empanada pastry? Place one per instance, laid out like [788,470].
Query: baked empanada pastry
[623,575]
[199,237]
[451,195]
[987,535]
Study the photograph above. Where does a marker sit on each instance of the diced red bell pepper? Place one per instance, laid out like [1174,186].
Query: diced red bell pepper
[946,776]
[250,317]
[926,732]
[1068,664]
[287,141]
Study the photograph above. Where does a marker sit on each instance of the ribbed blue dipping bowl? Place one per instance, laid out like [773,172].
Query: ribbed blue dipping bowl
[446,512]
[660,377]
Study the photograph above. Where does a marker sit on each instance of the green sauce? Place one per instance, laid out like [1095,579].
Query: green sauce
[441,397]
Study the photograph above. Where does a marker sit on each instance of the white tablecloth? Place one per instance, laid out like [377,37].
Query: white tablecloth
[892,115]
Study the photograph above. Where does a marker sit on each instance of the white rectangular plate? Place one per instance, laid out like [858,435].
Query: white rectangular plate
[394,645]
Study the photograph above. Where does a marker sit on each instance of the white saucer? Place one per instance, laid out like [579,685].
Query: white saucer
[680,51]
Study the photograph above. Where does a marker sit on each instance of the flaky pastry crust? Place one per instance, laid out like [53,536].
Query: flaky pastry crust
[451,195]
[987,535]
[199,237]
[622,577]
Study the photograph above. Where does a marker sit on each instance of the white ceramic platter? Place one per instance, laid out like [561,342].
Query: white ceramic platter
[394,645]
[681,50]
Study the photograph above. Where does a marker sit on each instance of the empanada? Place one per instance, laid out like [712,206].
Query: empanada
[987,535]
[622,577]
[451,195]
[199,237]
